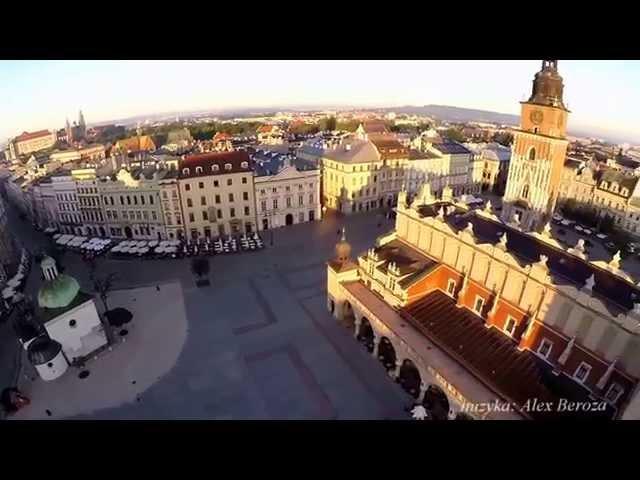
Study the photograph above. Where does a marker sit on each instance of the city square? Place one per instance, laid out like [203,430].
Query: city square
[259,343]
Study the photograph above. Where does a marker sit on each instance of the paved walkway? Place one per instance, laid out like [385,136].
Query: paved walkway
[155,338]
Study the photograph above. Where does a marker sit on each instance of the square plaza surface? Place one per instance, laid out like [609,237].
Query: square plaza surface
[259,343]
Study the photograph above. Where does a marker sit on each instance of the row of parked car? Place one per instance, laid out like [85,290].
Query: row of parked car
[631,248]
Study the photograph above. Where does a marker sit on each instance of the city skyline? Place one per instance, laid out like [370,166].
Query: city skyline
[599,93]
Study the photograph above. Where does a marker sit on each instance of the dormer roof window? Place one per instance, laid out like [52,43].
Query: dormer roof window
[185,171]
[227,166]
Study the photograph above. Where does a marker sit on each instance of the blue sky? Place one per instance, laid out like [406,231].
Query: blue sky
[602,95]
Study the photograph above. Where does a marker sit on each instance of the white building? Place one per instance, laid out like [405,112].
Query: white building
[66,329]
[287,190]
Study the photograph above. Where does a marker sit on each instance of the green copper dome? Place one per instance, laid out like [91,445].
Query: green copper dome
[59,292]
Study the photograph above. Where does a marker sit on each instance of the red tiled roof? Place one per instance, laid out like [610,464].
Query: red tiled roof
[389,147]
[518,376]
[221,137]
[374,126]
[207,160]
[31,135]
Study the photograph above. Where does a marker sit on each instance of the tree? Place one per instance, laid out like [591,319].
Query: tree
[103,286]
[200,268]
[503,138]
[455,134]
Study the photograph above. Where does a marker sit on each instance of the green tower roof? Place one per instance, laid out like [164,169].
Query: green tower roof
[59,292]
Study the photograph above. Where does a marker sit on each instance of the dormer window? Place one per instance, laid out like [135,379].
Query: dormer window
[603,185]
[185,171]
[215,168]
[198,169]
[227,166]
[244,164]
[624,192]
[614,187]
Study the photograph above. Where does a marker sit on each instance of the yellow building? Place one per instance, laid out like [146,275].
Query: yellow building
[33,142]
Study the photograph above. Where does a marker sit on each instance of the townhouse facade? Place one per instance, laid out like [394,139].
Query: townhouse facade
[217,194]
[287,190]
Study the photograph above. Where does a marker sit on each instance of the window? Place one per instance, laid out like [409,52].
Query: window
[203,201]
[263,206]
[217,198]
[187,187]
[288,188]
[229,182]
[263,192]
[139,215]
[544,349]
[231,197]
[219,213]
[300,200]
[73,324]
[145,215]
[243,165]
[215,168]
[275,203]
[288,200]
[111,198]
[178,219]
[582,372]
[510,326]
[614,393]
[125,215]
[189,202]
[216,183]
[228,166]
[451,286]
[274,190]
[185,171]
[478,305]
[164,195]
[150,199]
[245,195]
[192,218]
[311,199]
[232,212]
[201,185]
[532,154]
[247,211]
[135,199]
[392,284]
[121,200]
[205,217]
[154,215]
[244,179]
[300,185]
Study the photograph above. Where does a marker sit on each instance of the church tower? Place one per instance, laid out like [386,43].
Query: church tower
[82,126]
[538,153]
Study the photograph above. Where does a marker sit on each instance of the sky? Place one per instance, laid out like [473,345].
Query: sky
[602,95]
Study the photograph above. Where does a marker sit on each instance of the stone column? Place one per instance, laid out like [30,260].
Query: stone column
[396,373]
[423,391]
[356,323]
[376,344]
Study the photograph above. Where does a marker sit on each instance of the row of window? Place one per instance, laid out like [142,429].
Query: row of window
[216,183]
[92,216]
[136,200]
[203,199]
[66,197]
[214,168]
[89,201]
[133,215]
[205,214]
[87,190]
[288,202]
[287,188]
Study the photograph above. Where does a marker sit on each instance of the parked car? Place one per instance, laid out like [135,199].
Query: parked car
[610,246]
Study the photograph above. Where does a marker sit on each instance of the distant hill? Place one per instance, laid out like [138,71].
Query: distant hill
[458,114]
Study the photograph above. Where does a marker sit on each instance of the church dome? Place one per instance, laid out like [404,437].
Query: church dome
[43,350]
[343,248]
[59,292]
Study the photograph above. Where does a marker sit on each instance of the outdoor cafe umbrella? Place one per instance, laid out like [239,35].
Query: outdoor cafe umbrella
[8,293]
[14,282]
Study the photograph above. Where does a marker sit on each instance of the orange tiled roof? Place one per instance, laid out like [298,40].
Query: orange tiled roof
[31,135]
[136,144]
